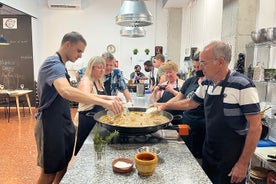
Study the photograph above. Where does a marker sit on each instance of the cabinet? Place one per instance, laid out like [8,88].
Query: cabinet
[260,159]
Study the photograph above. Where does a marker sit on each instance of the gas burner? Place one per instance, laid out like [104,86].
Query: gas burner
[132,139]
[141,138]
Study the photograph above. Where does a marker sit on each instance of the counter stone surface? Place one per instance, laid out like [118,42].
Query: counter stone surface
[176,165]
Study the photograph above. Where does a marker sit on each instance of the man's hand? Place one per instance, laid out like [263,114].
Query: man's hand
[238,173]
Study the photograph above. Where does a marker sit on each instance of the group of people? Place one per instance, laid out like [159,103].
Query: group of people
[220,106]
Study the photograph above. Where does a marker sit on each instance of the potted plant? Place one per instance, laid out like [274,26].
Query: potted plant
[135,51]
[147,51]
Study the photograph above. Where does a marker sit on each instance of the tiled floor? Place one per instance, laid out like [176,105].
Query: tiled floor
[18,149]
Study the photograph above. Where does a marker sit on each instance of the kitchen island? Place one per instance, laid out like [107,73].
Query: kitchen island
[176,165]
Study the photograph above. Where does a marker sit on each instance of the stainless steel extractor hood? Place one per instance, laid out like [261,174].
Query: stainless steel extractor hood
[134,13]
[133,32]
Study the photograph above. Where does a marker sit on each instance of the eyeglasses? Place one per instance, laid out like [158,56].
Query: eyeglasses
[204,63]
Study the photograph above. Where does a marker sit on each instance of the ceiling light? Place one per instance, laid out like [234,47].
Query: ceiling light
[134,13]
[133,32]
[3,41]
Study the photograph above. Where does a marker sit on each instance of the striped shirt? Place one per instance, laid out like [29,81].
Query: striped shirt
[240,99]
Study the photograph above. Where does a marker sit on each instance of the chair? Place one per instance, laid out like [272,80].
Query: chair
[7,102]
[4,102]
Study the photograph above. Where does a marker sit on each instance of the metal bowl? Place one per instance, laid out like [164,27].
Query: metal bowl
[259,36]
[150,149]
[255,36]
[263,33]
[271,34]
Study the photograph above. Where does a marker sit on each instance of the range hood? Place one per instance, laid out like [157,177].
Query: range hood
[133,32]
[134,13]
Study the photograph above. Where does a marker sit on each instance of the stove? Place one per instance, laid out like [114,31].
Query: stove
[132,139]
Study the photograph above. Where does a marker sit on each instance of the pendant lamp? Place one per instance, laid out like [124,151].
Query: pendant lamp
[134,13]
[133,32]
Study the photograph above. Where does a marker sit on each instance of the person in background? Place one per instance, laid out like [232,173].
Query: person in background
[54,129]
[148,66]
[159,61]
[232,114]
[91,82]
[137,74]
[195,117]
[80,73]
[114,80]
[168,89]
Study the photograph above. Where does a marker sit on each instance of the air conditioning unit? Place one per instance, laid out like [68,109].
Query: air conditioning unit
[64,4]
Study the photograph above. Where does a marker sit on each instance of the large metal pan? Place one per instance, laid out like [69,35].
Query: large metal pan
[133,130]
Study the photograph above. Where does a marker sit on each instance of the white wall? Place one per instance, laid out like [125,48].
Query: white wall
[201,23]
[266,14]
[96,22]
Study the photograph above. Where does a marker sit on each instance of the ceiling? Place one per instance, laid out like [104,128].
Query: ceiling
[7,10]
[177,3]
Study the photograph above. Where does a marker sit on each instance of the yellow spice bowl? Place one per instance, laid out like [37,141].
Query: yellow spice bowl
[145,163]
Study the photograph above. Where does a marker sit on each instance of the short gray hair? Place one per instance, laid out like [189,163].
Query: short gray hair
[108,56]
[222,49]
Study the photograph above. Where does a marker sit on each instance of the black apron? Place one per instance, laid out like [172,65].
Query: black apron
[87,122]
[223,146]
[59,134]
[107,84]
[177,113]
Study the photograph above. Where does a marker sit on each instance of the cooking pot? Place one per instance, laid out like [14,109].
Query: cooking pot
[133,130]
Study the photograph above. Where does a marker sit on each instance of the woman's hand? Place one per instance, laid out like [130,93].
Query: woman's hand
[115,106]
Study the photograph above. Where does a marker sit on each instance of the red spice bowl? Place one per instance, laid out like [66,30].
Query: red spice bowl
[122,165]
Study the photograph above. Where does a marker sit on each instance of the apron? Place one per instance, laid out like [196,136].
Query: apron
[166,97]
[87,122]
[222,146]
[59,134]
[107,85]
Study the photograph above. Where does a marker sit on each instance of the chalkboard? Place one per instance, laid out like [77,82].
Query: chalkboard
[16,59]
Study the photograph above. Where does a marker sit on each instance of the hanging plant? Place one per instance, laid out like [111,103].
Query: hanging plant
[147,51]
[135,51]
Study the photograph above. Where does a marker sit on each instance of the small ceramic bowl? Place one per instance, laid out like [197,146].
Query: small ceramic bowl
[122,165]
[150,149]
[145,163]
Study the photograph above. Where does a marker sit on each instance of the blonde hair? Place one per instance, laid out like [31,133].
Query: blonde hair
[171,65]
[94,61]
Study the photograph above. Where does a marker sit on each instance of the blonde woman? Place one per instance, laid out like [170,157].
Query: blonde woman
[91,82]
[170,88]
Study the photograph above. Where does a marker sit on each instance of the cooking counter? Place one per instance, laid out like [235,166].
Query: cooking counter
[176,165]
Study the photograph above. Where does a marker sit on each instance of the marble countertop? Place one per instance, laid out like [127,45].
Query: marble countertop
[176,165]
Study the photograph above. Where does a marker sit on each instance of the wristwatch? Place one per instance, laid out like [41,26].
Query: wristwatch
[111,48]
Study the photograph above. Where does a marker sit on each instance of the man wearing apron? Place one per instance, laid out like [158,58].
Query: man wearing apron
[54,129]
[233,122]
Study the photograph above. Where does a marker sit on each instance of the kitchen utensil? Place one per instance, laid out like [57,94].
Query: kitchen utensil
[271,34]
[140,90]
[145,163]
[133,130]
[122,165]
[255,36]
[263,111]
[151,110]
[151,149]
